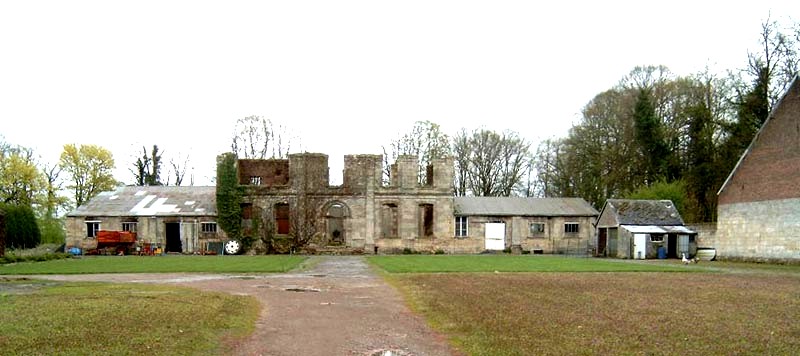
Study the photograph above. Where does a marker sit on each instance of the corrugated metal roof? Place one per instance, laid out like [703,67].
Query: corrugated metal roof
[652,229]
[645,212]
[151,201]
[514,206]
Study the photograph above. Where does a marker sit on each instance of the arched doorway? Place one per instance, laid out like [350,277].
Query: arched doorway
[335,215]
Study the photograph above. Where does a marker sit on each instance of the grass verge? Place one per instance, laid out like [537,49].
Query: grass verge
[157,264]
[112,319]
[504,263]
[610,313]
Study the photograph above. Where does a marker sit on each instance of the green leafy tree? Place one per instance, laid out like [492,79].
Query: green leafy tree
[229,196]
[89,168]
[21,229]
[20,180]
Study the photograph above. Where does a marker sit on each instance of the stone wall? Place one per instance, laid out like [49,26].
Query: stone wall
[706,234]
[766,230]
[150,230]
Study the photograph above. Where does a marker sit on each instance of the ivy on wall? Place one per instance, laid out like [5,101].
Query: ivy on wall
[229,196]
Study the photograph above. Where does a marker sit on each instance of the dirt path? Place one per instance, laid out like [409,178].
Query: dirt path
[338,307]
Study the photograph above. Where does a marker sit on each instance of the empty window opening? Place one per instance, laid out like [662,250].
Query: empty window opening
[255,180]
[335,220]
[389,220]
[282,218]
[461,226]
[429,176]
[129,226]
[536,229]
[92,227]
[247,211]
[571,228]
[426,220]
[208,227]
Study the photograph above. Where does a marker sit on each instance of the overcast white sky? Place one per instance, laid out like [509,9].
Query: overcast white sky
[345,76]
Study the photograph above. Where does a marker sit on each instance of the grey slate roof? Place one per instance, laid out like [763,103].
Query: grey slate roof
[152,201]
[644,212]
[514,206]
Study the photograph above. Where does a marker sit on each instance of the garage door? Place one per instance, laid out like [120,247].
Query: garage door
[495,236]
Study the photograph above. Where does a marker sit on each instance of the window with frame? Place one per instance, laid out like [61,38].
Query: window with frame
[461,226]
[656,238]
[571,228]
[536,229]
[129,226]
[255,180]
[208,227]
[92,227]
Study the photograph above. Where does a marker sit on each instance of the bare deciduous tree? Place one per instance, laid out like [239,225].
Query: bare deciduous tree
[426,141]
[256,137]
[490,163]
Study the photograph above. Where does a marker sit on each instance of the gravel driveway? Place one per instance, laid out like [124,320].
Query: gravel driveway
[337,307]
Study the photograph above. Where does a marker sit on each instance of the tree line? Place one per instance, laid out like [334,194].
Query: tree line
[660,135]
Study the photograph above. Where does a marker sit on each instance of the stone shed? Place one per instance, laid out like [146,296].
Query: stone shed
[758,209]
[638,229]
[175,219]
[538,225]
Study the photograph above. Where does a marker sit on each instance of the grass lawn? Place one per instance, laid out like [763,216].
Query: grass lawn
[48,318]
[513,263]
[156,264]
[722,308]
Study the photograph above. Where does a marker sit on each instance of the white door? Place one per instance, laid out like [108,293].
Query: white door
[639,246]
[683,245]
[495,236]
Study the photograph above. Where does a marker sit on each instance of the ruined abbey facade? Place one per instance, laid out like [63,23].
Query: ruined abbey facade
[293,196]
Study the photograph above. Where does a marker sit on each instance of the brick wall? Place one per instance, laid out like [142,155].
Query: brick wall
[771,170]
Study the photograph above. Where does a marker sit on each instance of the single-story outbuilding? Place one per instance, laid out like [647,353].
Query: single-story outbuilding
[539,225]
[174,219]
[641,229]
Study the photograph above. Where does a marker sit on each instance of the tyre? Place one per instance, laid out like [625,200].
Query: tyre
[232,247]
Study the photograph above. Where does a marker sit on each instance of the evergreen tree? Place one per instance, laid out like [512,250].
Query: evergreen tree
[650,137]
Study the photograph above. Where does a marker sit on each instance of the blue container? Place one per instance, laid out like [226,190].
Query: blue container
[662,253]
[75,251]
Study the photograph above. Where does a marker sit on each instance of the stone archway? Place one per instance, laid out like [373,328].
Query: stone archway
[335,230]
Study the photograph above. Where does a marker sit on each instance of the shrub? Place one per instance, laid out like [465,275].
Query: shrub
[21,230]
[438,252]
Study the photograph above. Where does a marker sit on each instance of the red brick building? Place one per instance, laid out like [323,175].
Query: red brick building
[759,204]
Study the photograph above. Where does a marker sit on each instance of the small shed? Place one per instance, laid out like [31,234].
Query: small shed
[642,229]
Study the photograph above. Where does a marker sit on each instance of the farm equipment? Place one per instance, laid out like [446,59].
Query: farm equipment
[116,242]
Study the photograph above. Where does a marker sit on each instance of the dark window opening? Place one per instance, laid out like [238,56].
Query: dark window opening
[129,226]
[389,220]
[282,218]
[429,176]
[208,227]
[426,220]
[571,228]
[91,228]
[247,211]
